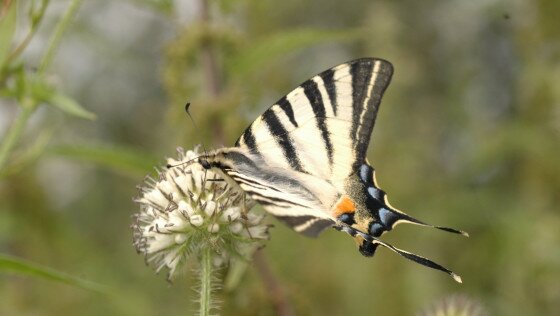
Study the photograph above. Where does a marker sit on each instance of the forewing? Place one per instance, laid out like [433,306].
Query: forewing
[322,127]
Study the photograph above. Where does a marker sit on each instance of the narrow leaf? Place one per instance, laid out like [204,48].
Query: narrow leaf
[43,92]
[21,266]
[70,106]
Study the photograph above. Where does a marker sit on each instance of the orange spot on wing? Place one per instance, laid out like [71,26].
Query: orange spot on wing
[344,205]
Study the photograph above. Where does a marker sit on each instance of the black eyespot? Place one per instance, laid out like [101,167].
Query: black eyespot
[376,229]
[204,163]
[347,218]
[368,249]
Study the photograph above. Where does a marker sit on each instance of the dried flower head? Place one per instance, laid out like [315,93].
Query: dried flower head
[188,209]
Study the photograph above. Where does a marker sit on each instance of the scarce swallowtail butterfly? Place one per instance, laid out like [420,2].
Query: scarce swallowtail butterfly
[304,159]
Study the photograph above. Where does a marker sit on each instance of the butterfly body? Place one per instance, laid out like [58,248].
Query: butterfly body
[304,159]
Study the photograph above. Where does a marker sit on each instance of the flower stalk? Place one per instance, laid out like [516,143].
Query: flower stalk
[206,269]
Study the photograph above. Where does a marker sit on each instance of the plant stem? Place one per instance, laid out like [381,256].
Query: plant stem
[28,105]
[55,39]
[14,133]
[32,30]
[206,281]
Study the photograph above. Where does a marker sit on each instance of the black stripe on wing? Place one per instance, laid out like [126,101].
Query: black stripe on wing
[307,225]
[312,93]
[249,140]
[330,86]
[283,139]
[366,97]
[361,76]
[293,221]
[287,108]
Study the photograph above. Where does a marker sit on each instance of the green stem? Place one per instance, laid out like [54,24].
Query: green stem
[36,20]
[55,39]
[14,133]
[206,281]
[28,106]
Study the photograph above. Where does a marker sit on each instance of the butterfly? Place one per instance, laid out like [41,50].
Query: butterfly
[304,159]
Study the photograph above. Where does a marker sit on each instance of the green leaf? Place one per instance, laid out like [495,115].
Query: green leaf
[17,265]
[275,46]
[7,29]
[41,91]
[123,160]
[70,106]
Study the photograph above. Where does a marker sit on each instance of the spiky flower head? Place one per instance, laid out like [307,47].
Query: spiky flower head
[188,209]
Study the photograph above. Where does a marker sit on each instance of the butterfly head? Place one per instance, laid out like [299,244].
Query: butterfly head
[204,163]
[224,158]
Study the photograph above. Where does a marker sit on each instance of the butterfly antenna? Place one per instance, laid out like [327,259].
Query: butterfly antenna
[204,164]
[203,147]
[187,106]
[408,255]
[169,166]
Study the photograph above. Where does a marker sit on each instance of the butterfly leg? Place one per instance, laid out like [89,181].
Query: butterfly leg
[244,213]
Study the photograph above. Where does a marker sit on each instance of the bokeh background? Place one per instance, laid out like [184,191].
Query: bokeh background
[468,136]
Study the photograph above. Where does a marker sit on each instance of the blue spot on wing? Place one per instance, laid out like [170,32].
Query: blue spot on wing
[373,192]
[387,217]
[376,229]
[364,173]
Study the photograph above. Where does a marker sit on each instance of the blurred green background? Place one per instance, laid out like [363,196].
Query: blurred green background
[468,136]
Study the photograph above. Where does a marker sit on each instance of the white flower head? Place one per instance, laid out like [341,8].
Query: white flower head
[188,208]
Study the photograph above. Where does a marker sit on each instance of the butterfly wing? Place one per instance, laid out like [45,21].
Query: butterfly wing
[320,132]
[323,126]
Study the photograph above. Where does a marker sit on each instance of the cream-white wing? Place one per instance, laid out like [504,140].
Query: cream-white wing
[322,127]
